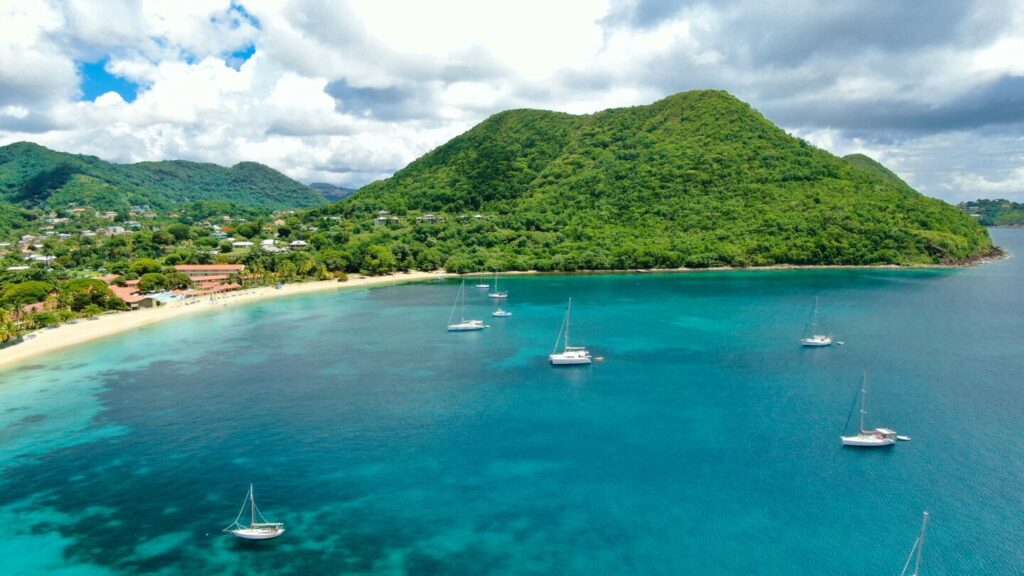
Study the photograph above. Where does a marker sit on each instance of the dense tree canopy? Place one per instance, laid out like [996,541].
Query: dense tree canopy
[698,179]
[31,176]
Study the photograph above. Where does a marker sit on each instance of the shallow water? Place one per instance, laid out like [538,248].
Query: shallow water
[705,443]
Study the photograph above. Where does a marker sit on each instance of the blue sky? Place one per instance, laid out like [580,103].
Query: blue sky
[348,92]
[96,81]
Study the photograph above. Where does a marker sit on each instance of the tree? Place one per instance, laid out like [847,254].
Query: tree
[144,266]
[152,282]
[8,329]
[180,231]
[248,229]
[379,260]
[83,292]
[25,293]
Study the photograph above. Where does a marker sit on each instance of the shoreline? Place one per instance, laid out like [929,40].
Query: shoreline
[996,256]
[45,341]
[68,335]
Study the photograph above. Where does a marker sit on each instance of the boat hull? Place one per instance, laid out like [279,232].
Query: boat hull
[466,327]
[498,295]
[816,341]
[257,533]
[563,360]
[867,441]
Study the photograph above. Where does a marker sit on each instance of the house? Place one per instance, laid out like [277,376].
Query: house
[269,245]
[298,244]
[242,244]
[131,296]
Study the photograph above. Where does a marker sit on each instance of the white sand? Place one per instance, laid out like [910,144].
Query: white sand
[67,335]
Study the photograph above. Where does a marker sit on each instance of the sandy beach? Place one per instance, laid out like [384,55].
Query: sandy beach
[67,335]
[44,341]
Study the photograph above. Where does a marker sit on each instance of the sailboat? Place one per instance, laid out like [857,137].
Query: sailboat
[261,530]
[810,338]
[916,550]
[499,313]
[569,355]
[497,293]
[463,325]
[482,285]
[876,438]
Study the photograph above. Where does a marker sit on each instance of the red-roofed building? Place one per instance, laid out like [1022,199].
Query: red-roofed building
[131,296]
[199,271]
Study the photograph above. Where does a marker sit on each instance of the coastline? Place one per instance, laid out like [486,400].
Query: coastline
[996,255]
[68,335]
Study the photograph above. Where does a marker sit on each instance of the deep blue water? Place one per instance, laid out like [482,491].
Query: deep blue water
[707,442]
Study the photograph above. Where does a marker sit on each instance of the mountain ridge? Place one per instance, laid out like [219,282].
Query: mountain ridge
[696,179]
[32,175]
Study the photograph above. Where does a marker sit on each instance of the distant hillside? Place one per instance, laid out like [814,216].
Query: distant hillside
[697,179]
[13,220]
[34,176]
[995,212]
[331,192]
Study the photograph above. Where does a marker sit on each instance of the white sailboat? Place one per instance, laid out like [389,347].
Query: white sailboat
[497,293]
[916,550]
[810,338]
[876,438]
[499,313]
[463,325]
[570,355]
[261,530]
[482,285]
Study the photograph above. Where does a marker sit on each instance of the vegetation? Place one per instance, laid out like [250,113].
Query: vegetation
[331,192]
[698,179]
[34,176]
[995,212]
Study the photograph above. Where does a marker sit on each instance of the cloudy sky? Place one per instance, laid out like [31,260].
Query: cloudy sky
[348,92]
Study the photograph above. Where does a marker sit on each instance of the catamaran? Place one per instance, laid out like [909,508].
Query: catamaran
[463,325]
[810,338]
[876,438]
[261,530]
[916,550]
[569,355]
[497,293]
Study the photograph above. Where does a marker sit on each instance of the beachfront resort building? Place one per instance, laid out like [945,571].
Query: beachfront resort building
[210,278]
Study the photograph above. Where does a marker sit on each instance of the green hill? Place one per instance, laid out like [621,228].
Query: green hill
[34,176]
[995,212]
[331,192]
[697,179]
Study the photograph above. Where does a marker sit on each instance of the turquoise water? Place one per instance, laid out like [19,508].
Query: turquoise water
[705,443]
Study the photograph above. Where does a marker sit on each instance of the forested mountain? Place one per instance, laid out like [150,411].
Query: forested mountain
[33,176]
[995,212]
[331,192]
[697,179]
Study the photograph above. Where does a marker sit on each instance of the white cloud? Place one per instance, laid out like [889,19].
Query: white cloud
[348,92]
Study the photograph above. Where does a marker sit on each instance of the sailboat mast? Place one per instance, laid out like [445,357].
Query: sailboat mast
[863,396]
[920,544]
[568,313]
[252,507]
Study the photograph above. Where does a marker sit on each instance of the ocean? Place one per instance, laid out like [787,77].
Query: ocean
[706,441]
